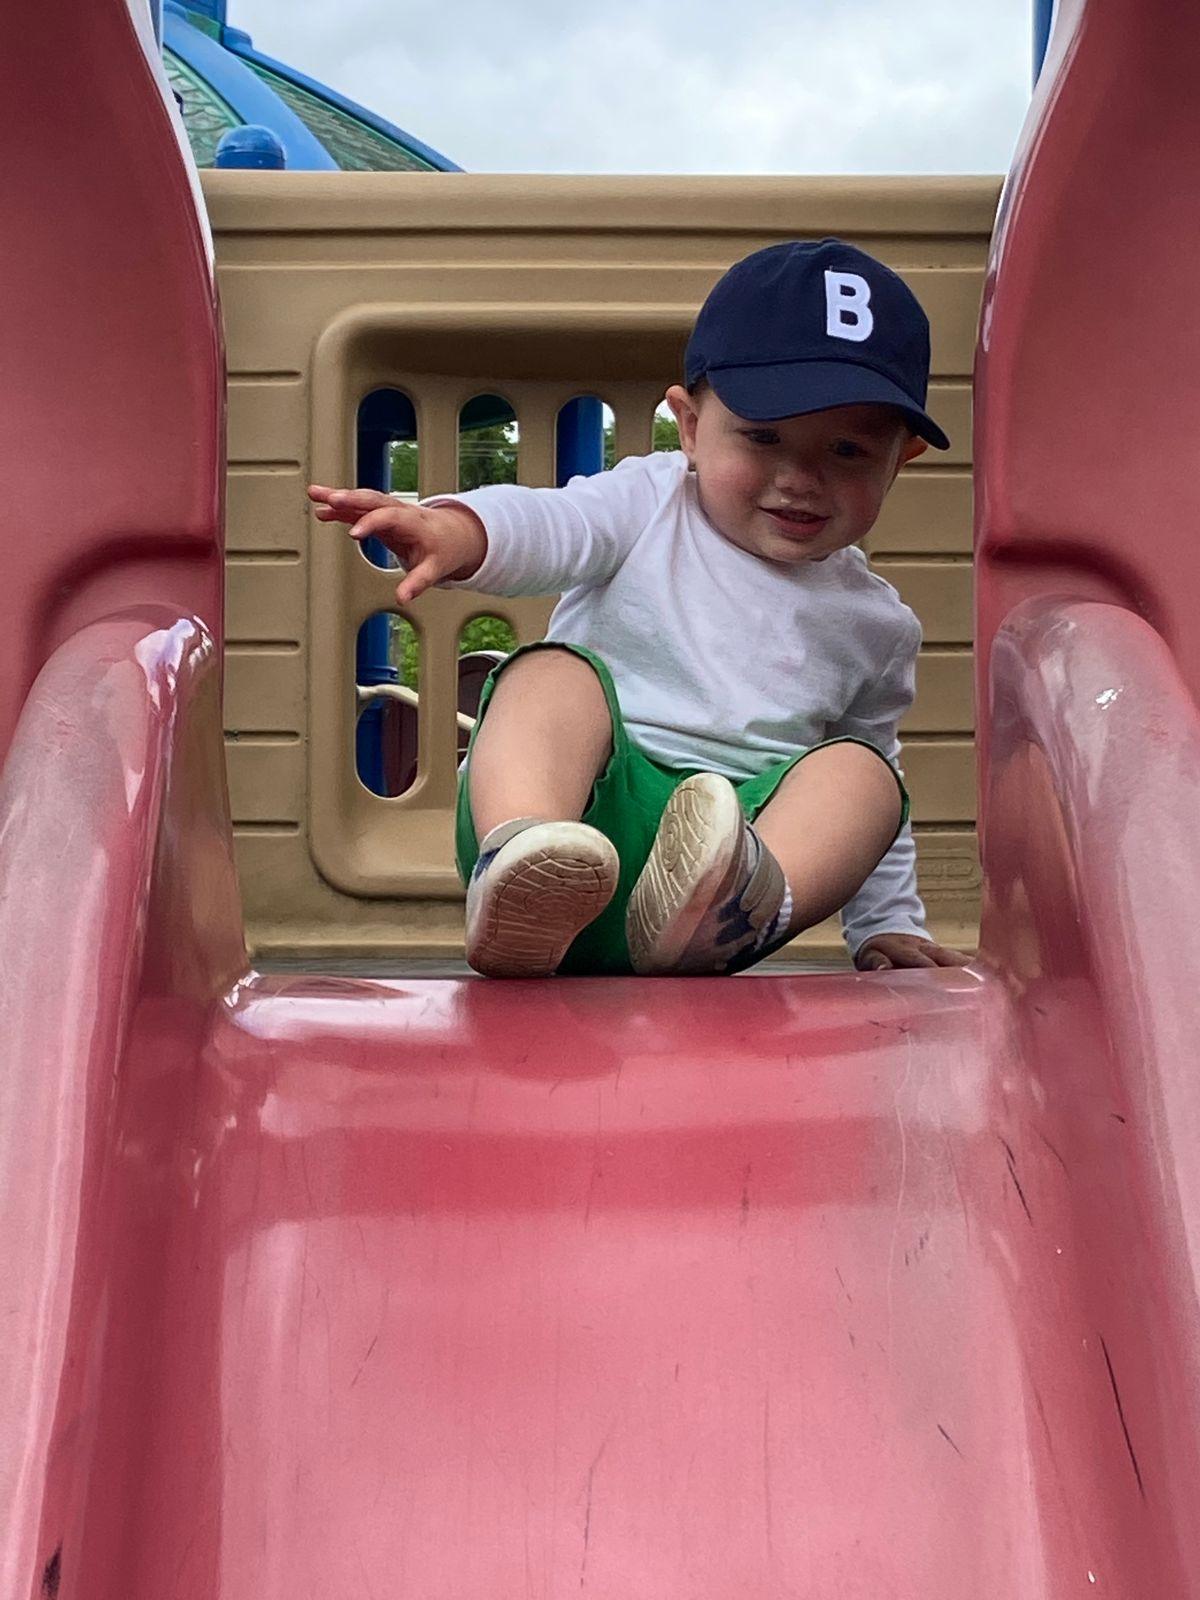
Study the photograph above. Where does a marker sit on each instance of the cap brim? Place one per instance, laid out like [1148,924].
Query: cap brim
[794,388]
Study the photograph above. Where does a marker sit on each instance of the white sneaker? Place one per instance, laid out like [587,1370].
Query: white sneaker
[711,894]
[535,886]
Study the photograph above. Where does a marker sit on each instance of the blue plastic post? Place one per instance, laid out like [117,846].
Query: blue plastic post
[251,147]
[1043,21]
[580,439]
[383,417]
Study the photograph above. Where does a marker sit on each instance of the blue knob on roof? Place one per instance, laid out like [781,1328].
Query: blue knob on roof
[251,146]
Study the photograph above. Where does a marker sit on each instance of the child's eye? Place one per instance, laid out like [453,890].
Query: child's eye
[761,436]
[848,450]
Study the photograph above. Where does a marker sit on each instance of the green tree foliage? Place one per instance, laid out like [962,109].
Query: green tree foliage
[487,455]
[487,633]
[481,633]
[404,466]
[406,653]
[666,432]
[665,437]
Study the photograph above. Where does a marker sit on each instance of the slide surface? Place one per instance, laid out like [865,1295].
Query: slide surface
[616,1288]
[780,1285]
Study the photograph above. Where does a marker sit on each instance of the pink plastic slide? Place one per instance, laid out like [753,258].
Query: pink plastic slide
[825,1287]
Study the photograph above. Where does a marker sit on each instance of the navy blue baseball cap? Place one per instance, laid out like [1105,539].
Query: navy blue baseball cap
[803,326]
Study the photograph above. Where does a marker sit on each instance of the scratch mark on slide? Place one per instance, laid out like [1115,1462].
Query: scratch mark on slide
[1112,1378]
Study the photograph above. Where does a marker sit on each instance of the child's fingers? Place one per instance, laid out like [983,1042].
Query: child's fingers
[353,499]
[385,522]
[912,953]
[874,961]
[345,505]
[363,499]
[423,576]
[357,499]
[943,956]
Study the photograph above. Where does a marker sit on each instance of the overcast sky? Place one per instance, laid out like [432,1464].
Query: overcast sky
[694,86]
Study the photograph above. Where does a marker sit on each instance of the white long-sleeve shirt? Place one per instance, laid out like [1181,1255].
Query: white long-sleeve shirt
[722,661]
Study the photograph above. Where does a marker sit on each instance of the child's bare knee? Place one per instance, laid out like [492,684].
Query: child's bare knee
[870,774]
[847,769]
[554,671]
[864,762]
[558,693]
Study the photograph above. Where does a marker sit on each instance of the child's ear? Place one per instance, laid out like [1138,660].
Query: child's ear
[914,446]
[683,409]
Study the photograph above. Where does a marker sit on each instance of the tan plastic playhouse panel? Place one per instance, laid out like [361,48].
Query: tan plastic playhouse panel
[539,289]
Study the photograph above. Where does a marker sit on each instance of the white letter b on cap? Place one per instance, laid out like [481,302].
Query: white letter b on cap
[847,306]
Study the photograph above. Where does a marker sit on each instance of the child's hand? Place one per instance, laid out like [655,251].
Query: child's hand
[887,950]
[432,542]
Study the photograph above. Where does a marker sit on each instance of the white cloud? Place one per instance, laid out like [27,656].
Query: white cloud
[782,86]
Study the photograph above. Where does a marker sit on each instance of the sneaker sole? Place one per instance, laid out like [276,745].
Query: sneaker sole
[697,839]
[544,887]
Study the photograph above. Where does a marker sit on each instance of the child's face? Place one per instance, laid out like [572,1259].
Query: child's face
[796,489]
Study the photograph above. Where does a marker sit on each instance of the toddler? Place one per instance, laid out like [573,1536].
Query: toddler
[700,759]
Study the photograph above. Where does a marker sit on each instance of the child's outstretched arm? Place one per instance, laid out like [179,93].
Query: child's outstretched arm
[435,544]
[507,539]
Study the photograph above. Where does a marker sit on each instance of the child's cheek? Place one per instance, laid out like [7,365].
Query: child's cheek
[745,481]
[724,484]
[863,501]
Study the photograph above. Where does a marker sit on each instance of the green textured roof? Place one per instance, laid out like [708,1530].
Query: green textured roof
[354,146]
[206,116]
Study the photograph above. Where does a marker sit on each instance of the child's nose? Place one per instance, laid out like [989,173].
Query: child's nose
[797,477]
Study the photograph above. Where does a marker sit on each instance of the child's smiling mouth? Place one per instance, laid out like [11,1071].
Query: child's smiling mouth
[802,524]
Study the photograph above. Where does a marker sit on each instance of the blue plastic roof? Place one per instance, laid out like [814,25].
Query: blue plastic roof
[257,88]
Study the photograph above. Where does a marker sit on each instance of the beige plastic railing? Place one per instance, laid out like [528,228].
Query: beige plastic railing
[539,290]
[407,697]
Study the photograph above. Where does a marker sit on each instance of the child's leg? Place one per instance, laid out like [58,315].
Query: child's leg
[829,824]
[541,876]
[546,738]
[716,894]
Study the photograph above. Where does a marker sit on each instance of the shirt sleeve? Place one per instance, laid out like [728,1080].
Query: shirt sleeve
[888,901]
[542,541]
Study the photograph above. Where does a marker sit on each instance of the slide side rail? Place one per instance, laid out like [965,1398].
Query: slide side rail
[117,899]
